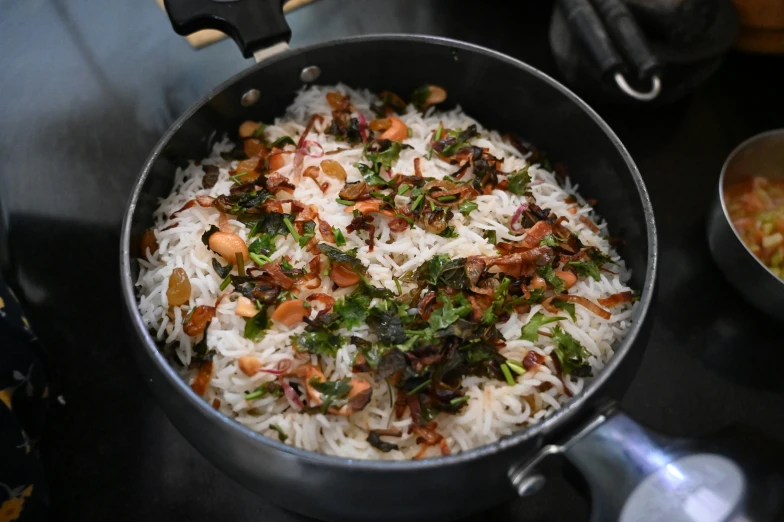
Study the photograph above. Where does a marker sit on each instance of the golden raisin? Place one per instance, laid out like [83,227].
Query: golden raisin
[179,290]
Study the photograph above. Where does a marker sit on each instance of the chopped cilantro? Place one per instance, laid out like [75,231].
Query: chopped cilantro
[467,206]
[571,354]
[255,326]
[530,332]
[331,391]
[549,240]
[517,181]
[565,306]
[319,341]
[548,274]
[448,313]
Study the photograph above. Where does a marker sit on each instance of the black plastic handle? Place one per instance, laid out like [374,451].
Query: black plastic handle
[252,24]
[627,35]
[585,23]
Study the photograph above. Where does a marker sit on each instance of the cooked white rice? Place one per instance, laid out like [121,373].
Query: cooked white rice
[494,410]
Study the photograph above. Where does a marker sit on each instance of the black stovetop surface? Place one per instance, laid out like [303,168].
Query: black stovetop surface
[87,90]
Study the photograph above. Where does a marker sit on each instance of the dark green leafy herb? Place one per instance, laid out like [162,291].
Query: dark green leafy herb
[550,240]
[281,434]
[201,350]
[565,306]
[375,440]
[467,206]
[592,267]
[271,224]
[346,202]
[308,231]
[370,176]
[449,313]
[548,274]
[319,341]
[490,235]
[353,309]
[518,181]
[283,140]
[388,153]
[441,271]
[449,232]
[490,315]
[339,239]
[205,238]
[222,271]
[264,245]
[331,391]
[571,354]
[387,325]
[256,325]
[419,97]
[338,256]
[530,332]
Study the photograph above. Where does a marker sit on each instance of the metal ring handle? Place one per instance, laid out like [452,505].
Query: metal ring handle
[634,93]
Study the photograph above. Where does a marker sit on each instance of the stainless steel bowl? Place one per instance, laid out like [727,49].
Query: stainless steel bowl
[761,155]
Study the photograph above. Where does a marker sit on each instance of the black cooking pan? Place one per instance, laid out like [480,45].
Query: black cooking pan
[503,94]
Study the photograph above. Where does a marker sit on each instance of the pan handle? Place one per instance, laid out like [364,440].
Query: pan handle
[635,474]
[252,24]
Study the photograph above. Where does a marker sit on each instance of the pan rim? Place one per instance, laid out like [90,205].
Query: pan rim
[559,417]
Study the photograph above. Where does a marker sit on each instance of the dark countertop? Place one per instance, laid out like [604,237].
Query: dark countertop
[87,92]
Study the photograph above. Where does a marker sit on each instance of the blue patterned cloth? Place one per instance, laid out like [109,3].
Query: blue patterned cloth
[23,397]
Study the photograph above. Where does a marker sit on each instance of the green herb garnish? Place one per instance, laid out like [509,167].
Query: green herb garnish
[467,206]
[530,332]
[571,354]
[518,181]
